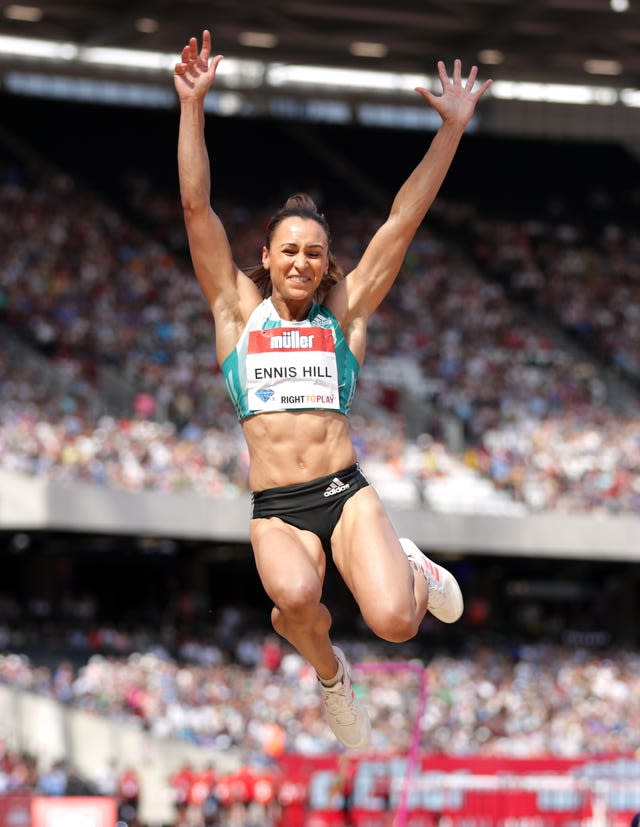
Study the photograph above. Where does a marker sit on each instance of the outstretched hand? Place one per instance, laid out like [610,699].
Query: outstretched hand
[195,73]
[457,101]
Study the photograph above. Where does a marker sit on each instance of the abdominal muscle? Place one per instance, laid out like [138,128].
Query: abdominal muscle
[290,447]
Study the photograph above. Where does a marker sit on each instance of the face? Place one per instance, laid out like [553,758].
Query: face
[297,258]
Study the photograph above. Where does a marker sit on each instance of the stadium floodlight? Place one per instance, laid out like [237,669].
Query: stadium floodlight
[597,66]
[553,92]
[630,97]
[284,74]
[138,58]
[33,47]
[238,74]
[258,40]
[365,48]
[26,14]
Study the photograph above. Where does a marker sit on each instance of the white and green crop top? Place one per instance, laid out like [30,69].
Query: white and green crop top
[279,365]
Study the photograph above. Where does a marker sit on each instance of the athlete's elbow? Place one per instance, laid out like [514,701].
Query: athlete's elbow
[196,214]
[193,205]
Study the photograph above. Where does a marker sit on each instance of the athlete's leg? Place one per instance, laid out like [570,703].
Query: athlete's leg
[291,565]
[370,558]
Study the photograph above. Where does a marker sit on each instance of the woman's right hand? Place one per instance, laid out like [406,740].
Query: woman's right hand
[194,74]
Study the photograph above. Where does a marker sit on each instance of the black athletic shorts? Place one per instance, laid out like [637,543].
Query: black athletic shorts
[312,506]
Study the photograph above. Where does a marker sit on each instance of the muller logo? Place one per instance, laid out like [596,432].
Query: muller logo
[291,340]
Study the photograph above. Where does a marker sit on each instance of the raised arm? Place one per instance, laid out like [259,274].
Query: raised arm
[220,279]
[366,286]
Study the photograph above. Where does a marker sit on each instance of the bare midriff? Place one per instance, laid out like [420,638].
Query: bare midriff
[290,447]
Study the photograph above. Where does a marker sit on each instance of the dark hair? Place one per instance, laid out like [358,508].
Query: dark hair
[302,206]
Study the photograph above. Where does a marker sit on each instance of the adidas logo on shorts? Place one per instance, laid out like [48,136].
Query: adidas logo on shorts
[336,486]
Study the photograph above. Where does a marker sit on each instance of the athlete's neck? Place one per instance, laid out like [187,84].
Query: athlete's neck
[290,311]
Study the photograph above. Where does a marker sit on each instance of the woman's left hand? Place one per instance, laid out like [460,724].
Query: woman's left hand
[457,102]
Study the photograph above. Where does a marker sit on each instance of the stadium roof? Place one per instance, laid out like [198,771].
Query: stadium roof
[567,41]
[344,62]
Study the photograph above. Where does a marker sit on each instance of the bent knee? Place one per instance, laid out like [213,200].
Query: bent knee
[296,601]
[394,625]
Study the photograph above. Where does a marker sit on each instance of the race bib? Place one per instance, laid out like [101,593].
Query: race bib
[292,368]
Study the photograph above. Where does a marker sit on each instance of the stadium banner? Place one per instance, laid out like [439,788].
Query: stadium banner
[15,810]
[366,791]
[68,811]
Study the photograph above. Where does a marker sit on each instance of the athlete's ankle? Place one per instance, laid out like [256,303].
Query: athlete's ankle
[328,682]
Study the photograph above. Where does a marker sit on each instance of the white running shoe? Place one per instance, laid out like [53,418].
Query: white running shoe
[445,597]
[344,713]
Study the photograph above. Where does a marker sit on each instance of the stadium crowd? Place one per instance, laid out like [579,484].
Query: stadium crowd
[585,277]
[536,700]
[520,701]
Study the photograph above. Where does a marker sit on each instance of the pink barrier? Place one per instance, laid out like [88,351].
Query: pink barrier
[414,748]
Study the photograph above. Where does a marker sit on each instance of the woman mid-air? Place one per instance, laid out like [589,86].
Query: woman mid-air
[290,339]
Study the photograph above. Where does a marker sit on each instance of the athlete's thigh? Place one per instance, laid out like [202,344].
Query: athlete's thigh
[367,552]
[287,558]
